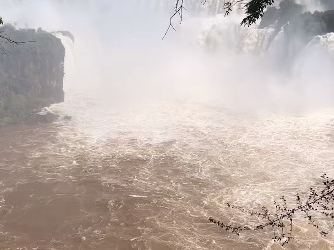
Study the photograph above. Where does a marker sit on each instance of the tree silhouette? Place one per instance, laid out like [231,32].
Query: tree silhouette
[316,207]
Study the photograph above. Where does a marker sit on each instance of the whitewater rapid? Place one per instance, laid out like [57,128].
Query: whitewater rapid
[162,136]
[150,178]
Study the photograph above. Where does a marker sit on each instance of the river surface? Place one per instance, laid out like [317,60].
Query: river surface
[136,169]
[150,178]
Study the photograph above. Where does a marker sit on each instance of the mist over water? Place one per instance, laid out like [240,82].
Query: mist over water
[165,133]
[119,53]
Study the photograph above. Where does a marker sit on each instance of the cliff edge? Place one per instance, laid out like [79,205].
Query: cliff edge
[31,73]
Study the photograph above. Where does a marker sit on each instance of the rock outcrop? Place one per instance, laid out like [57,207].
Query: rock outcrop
[297,22]
[31,72]
[297,26]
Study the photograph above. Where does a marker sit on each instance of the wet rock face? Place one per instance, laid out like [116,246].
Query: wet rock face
[297,22]
[287,11]
[45,115]
[328,4]
[31,73]
[298,26]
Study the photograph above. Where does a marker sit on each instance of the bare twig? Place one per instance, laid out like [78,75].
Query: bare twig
[318,205]
[5,39]
[178,11]
[253,9]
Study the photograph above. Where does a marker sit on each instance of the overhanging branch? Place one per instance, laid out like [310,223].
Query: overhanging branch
[253,9]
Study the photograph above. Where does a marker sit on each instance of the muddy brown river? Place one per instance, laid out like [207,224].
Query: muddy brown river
[149,179]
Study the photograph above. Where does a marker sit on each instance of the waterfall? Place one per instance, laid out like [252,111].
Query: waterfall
[325,42]
[225,33]
[69,62]
[219,33]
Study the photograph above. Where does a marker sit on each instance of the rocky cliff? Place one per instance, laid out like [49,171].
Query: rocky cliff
[31,72]
[297,22]
[296,27]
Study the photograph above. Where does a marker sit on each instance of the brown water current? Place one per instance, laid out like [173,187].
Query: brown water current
[150,178]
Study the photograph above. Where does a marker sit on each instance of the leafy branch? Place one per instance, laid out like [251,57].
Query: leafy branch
[319,205]
[253,9]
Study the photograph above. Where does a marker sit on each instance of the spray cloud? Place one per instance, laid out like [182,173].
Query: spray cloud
[121,58]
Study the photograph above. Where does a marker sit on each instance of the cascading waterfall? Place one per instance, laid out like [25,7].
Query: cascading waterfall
[325,42]
[218,33]
[165,133]
[69,58]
